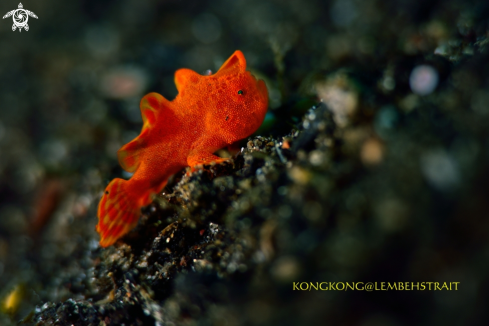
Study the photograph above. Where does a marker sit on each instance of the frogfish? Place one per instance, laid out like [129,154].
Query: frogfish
[209,112]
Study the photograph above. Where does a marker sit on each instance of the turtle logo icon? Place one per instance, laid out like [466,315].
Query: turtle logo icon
[20,17]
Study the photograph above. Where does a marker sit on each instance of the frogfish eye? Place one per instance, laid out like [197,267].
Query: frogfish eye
[240,92]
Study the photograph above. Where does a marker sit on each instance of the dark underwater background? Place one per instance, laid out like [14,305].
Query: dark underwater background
[372,164]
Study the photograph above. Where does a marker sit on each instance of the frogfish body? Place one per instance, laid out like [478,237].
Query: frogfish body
[209,113]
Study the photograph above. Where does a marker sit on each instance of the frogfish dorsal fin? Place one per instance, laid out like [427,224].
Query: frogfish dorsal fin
[235,63]
[129,155]
[151,106]
[184,77]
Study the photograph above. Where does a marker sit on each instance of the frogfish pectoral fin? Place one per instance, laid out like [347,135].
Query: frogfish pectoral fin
[118,212]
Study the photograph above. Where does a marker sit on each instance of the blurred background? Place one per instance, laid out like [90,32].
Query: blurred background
[69,94]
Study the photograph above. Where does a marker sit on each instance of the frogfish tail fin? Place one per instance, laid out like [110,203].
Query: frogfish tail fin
[118,212]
